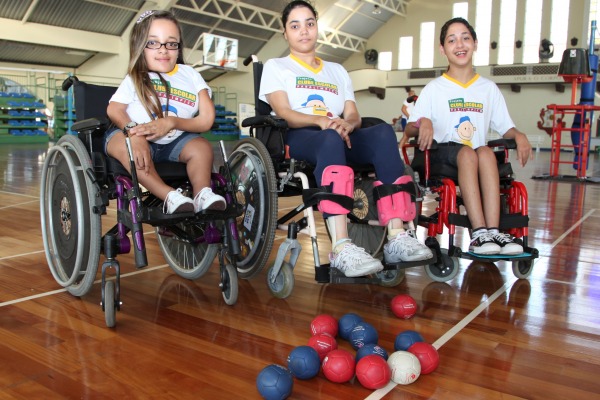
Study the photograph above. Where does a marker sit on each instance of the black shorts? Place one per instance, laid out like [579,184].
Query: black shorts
[445,155]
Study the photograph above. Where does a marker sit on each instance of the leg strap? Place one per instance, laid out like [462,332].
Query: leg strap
[341,180]
[396,200]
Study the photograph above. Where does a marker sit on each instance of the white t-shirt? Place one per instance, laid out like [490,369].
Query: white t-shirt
[463,113]
[185,84]
[409,108]
[321,91]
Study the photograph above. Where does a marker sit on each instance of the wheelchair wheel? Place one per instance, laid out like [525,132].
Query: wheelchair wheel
[71,228]
[444,269]
[391,277]
[522,268]
[283,285]
[229,284]
[369,237]
[110,308]
[254,183]
[188,260]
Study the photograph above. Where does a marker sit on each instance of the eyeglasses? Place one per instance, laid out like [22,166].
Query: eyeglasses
[154,45]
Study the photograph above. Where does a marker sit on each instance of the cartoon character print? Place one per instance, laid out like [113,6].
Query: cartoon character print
[465,131]
[317,102]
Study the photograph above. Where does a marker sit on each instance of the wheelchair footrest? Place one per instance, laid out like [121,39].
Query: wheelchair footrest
[155,216]
[409,264]
[499,257]
[326,274]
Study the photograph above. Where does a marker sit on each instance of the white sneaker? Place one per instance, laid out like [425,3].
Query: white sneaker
[176,202]
[405,247]
[484,244]
[354,261]
[507,244]
[207,200]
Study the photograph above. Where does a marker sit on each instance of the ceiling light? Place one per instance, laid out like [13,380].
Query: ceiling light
[376,10]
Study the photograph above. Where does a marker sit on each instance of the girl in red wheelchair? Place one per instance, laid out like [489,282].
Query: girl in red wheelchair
[457,110]
[158,104]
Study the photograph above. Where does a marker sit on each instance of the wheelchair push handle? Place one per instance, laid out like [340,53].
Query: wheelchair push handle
[67,83]
[250,59]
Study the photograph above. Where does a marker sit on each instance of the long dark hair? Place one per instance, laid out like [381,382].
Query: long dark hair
[457,20]
[295,4]
[138,68]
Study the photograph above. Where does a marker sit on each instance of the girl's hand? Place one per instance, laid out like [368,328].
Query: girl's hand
[140,150]
[343,128]
[425,134]
[155,129]
[524,150]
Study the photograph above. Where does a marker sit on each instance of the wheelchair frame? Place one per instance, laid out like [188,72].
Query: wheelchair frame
[77,183]
[514,217]
[291,177]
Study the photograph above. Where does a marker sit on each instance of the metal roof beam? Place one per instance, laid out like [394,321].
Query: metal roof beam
[256,17]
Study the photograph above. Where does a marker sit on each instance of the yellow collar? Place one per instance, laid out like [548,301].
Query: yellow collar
[464,85]
[174,71]
[308,67]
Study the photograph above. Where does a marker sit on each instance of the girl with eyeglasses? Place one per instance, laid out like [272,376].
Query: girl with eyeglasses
[158,105]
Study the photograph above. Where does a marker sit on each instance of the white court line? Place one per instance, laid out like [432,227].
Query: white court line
[19,194]
[379,393]
[20,204]
[45,294]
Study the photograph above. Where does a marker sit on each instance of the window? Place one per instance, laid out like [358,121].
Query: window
[506,40]
[405,52]
[460,10]
[558,28]
[483,22]
[533,31]
[427,45]
[384,61]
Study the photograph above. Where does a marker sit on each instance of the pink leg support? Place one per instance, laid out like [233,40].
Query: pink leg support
[342,178]
[397,205]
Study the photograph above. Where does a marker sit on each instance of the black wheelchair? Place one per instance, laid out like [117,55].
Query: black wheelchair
[288,177]
[78,181]
[443,184]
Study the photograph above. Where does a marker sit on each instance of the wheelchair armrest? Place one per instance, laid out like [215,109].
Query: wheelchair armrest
[90,124]
[414,143]
[506,143]
[268,120]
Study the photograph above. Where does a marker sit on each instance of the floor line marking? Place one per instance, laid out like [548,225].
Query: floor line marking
[20,204]
[19,194]
[53,292]
[379,393]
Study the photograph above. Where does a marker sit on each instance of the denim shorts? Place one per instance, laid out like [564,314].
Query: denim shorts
[160,152]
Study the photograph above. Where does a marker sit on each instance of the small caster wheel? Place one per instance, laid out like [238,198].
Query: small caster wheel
[444,269]
[391,277]
[109,305]
[282,286]
[229,284]
[522,268]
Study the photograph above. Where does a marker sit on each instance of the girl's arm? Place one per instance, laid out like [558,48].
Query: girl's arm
[201,123]
[117,112]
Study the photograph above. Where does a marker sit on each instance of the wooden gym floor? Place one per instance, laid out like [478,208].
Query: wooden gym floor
[498,337]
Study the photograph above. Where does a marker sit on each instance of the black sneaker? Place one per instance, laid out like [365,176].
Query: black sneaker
[507,244]
[484,244]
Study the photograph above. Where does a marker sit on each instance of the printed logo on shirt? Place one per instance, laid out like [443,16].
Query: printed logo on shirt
[460,105]
[303,82]
[175,94]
